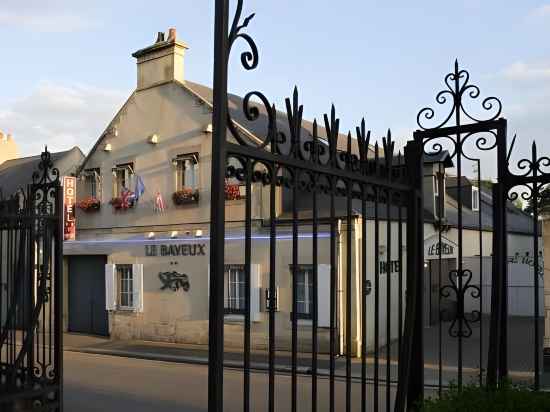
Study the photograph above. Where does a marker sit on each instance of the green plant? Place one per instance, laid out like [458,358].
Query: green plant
[472,398]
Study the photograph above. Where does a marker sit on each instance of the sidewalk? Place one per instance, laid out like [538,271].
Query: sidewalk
[194,354]
[520,356]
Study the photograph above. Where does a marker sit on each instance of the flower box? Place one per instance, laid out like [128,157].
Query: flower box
[118,203]
[233,192]
[90,204]
[185,196]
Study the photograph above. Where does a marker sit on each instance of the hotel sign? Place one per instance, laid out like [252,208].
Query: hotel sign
[69,200]
[433,248]
[183,249]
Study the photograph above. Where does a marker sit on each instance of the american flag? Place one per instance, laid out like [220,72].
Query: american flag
[159,203]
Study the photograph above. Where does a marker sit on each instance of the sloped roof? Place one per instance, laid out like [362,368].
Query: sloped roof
[259,127]
[17,173]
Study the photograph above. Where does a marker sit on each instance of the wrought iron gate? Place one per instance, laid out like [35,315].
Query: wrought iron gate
[31,239]
[471,341]
[336,212]
[333,280]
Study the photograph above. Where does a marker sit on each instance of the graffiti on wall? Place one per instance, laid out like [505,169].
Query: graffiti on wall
[174,281]
[528,259]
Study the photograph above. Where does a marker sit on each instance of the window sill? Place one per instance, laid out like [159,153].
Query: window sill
[233,318]
[237,319]
[124,309]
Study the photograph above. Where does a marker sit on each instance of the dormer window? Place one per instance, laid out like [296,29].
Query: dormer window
[187,171]
[123,175]
[475,199]
[92,182]
[439,195]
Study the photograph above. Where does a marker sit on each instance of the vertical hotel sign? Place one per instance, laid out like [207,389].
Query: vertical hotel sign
[69,200]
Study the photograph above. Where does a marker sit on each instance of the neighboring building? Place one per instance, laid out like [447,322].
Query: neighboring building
[16,174]
[138,268]
[8,148]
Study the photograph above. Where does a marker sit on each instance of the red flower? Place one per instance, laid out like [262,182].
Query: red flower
[90,204]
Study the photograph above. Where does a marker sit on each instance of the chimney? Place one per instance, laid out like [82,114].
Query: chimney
[8,148]
[161,62]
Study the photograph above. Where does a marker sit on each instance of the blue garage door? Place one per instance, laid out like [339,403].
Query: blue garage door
[87,312]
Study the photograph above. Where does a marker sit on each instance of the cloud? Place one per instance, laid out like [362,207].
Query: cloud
[541,11]
[49,23]
[60,116]
[524,71]
[57,16]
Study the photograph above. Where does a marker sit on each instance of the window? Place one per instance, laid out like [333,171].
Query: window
[125,281]
[234,281]
[124,287]
[475,199]
[122,178]
[187,171]
[439,195]
[93,182]
[304,292]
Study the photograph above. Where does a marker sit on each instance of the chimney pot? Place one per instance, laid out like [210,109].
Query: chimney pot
[160,37]
[172,35]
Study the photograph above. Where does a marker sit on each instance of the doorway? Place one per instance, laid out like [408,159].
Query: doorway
[87,312]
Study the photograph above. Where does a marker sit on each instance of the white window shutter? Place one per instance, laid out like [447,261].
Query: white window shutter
[110,287]
[323,296]
[255,292]
[137,282]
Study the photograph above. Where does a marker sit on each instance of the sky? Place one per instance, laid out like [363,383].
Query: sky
[66,66]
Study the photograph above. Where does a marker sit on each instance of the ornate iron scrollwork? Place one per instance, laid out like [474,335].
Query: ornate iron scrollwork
[296,141]
[460,285]
[458,87]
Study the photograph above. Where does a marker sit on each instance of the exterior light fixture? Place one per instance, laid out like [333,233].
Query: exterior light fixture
[198,233]
[154,138]
[174,234]
[425,264]
[208,128]
[151,235]
[108,147]
[187,232]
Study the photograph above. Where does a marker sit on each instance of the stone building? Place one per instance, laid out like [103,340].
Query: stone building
[138,268]
[8,148]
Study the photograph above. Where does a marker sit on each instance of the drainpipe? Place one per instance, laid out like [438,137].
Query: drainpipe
[340,290]
[358,307]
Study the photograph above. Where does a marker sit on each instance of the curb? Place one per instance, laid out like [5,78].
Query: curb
[193,360]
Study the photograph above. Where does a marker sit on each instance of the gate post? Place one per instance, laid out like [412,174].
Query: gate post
[496,350]
[497,364]
[217,208]
[410,389]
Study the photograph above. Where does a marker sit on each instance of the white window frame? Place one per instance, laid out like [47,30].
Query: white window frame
[125,287]
[475,199]
[305,280]
[93,182]
[187,163]
[124,172]
[234,277]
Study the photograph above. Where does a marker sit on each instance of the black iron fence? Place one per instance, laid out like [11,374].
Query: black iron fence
[31,236]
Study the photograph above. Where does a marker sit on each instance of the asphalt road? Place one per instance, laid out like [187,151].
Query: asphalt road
[108,383]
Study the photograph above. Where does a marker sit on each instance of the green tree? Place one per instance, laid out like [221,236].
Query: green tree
[542,203]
